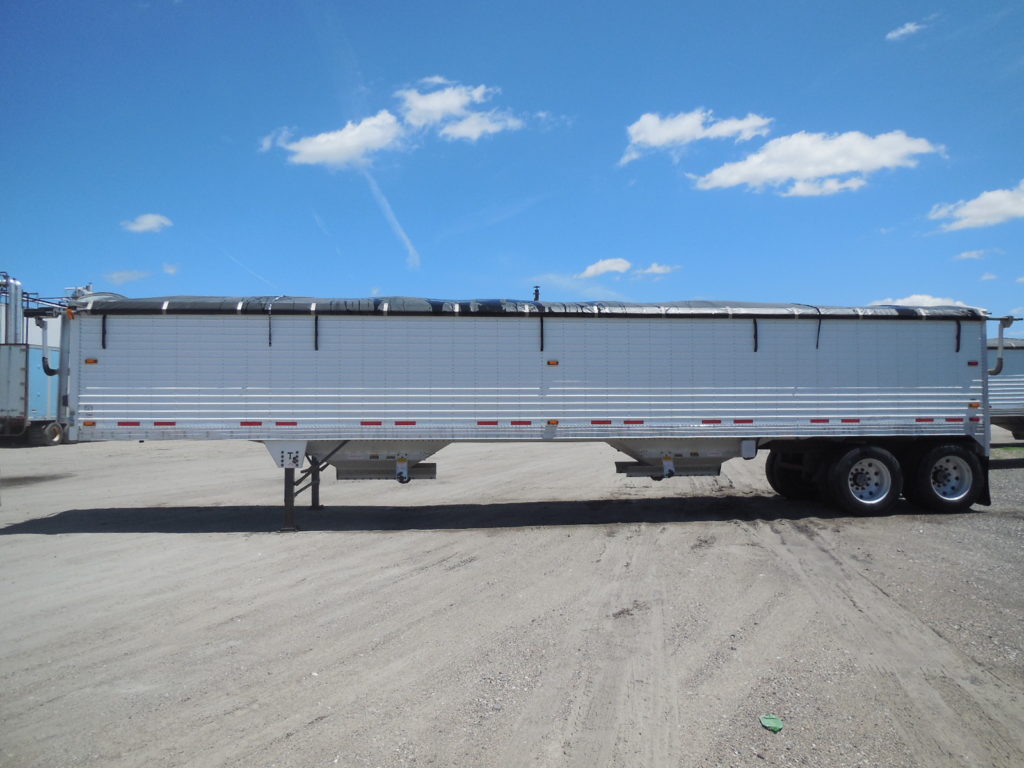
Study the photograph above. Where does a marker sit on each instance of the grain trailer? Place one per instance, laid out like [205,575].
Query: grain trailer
[857,405]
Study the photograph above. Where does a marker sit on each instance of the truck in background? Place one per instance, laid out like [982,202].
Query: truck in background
[29,365]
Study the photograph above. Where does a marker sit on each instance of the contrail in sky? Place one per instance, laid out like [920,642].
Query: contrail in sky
[254,274]
[413,259]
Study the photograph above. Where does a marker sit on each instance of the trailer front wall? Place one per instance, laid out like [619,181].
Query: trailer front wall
[484,378]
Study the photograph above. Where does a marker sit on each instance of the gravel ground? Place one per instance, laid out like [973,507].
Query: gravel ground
[528,608]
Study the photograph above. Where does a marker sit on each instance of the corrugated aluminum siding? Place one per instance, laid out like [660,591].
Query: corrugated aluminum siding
[204,375]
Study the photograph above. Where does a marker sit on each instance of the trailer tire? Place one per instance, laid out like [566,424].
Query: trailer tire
[46,434]
[788,481]
[947,479]
[865,480]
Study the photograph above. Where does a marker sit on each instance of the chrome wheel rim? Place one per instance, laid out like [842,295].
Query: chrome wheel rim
[951,478]
[869,481]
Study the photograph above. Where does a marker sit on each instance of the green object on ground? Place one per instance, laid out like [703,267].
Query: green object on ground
[772,722]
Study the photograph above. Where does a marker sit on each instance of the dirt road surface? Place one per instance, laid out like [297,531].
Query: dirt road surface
[528,608]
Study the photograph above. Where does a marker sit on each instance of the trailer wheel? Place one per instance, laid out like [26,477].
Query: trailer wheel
[864,480]
[785,479]
[947,479]
[45,434]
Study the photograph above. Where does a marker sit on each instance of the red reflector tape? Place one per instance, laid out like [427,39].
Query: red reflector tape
[369,423]
[851,421]
[286,423]
[923,421]
[164,423]
[600,421]
[972,362]
[975,418]
[819,421]
[251,423]
[127,423]
[405,423]
[521,423]
[742,421]
[633,421]
[711,421]
[487,423]
[956,420]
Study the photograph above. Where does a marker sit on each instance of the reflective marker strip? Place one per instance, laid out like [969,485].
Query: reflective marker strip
[405,423]
[819,421]
[369,423]
[286,423]
[250,423]
[975,418]
[742,421]
[850,421]
[924,421]
[487,423]
[127,423]
[164,423]
[711,421]
[600,421]
[633,421]
[521,423]
[958,420]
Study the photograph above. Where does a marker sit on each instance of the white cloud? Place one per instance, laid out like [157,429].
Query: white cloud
[908,29]
[170,269]
[125,276]
[279,137]
[421,109]
[656,269]
[989,276]
[1020,279]
[969,255]
[921,300]
[813,162]
[435,80]
[986,210]
[819,187]
[475,125]
[147,222]
[349,146]
[674,131]
[605,265]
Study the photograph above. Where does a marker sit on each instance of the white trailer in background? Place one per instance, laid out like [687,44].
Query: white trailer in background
[1006,390]
[857,405]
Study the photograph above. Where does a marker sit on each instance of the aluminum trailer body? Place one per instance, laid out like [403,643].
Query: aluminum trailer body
[1006,391]
[853,402]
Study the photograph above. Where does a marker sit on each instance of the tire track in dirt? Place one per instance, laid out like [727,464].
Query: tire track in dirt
[938,686]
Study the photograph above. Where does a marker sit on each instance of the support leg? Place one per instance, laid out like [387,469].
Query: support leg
[289,500]
[314,484]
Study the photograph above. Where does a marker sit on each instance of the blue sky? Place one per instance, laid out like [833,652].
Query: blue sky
[827,153]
